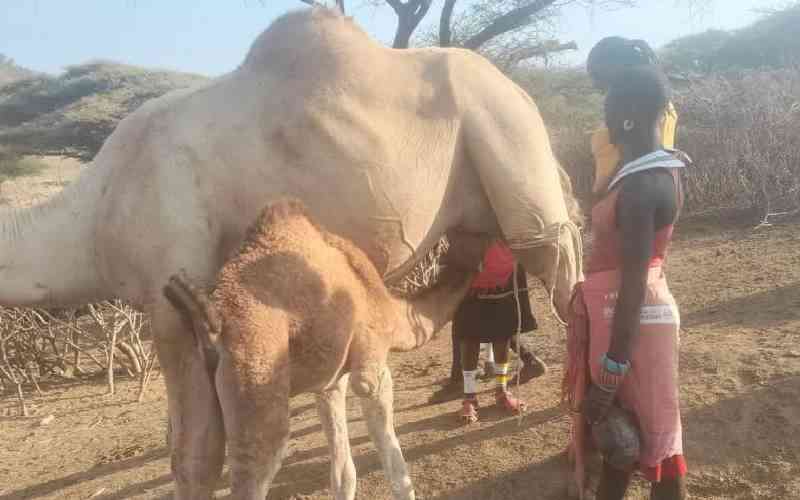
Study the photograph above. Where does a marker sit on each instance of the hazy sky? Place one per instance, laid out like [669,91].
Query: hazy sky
[212,36]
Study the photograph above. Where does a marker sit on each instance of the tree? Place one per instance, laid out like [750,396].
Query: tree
[507,31]
[694,53]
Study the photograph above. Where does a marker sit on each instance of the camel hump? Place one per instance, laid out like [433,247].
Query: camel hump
[305,33]
[283,209]
[274,216]
[196,307]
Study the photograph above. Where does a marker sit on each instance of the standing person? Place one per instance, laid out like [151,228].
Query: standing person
[623,333]
[606,60]
[492,313]
[532,365]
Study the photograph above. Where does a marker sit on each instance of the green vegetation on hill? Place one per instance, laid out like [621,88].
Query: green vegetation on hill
[73,113]
[770,42]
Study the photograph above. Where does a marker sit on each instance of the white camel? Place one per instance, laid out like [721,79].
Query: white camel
[387,148]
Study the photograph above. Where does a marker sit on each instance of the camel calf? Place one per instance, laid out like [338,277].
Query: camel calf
[297,310]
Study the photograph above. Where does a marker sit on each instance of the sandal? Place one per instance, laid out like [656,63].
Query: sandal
[509,403]
[469,411]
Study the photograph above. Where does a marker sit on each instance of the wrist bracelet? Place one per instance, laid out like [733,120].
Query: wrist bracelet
[614,367]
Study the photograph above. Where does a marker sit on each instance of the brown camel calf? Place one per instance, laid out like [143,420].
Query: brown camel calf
[297,310]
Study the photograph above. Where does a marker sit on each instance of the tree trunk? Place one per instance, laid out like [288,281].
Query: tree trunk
[402,36]
[409,15]
[445,24]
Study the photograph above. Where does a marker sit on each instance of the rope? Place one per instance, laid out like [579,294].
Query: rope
[552,235]
[518,366]
[549,236]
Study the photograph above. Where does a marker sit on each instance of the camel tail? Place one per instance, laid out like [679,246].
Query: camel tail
[196,307]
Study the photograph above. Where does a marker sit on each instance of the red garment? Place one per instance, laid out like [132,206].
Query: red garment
[671,468]
[498,266]
[606,239]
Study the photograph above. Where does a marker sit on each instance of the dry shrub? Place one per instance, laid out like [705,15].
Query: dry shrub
[742,131]
[740,128]
[572,147]
[40,345]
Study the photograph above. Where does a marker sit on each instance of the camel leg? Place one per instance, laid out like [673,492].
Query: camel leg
[333,416]
[253,383]
[197,440]
[379,414]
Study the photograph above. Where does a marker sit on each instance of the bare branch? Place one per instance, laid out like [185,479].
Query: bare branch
[541,50]
[509,21]
[313,3]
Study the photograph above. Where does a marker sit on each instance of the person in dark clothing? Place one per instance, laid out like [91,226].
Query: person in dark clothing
[489,315]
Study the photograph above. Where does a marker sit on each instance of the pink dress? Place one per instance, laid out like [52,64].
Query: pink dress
[650,390]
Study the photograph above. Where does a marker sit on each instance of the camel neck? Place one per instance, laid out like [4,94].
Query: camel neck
[47,253]
[424,316]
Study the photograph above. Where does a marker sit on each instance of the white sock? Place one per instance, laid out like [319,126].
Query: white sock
[489,353]
[470,382]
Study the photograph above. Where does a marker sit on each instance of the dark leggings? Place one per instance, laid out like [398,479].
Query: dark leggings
[456,368]
[614,484]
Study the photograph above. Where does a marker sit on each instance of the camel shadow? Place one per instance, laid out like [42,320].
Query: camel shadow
[759,423]
[55,485]
[759,310]
[534,481]
[316,472]
[139,489]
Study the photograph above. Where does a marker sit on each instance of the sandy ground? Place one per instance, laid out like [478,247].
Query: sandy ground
[739,292]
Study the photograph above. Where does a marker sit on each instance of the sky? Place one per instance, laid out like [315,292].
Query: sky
[211,37]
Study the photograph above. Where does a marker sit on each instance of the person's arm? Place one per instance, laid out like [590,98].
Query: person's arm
[637,205]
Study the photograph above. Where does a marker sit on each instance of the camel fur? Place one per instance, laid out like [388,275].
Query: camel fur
[389,149]
[296,310]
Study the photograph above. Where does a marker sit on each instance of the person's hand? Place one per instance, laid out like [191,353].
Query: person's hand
[598,402]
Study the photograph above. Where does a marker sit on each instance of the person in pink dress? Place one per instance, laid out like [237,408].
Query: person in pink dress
[622,364]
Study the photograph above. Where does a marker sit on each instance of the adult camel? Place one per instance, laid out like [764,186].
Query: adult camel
[386,148]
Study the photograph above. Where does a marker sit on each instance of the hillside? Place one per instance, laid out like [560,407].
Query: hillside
[10,72]
[771,42]
[73,113]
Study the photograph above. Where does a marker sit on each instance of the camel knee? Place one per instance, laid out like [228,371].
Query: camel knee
[366,381]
